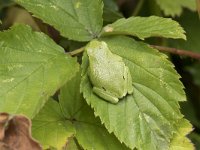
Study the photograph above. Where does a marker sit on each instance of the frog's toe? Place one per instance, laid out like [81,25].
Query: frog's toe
[105,95]
[130,91]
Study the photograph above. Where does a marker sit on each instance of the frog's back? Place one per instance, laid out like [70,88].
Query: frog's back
[106,70]
[107,73]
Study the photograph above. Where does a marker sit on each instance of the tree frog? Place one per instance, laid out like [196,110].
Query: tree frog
[110,77]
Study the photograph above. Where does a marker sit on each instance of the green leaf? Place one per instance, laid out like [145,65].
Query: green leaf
[75,19]
[72,144]
[189,112]
[146,119]
[175,7]
[111,4]
[111,12]
[5,3]
[72,114]
[180,141]
[110,15]
[50,127]
[195,72]
[192,32]
[195,137]
[144,27]
[32,68]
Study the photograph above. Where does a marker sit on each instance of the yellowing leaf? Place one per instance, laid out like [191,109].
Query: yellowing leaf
[180,141]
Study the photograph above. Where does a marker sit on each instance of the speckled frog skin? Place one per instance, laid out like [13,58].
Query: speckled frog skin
[108,73]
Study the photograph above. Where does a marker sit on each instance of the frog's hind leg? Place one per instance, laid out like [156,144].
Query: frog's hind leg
[105,95]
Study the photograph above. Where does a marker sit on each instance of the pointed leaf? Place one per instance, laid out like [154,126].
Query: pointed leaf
[70,112]
[32,68]
[75,19]
[144,27]
[146,119]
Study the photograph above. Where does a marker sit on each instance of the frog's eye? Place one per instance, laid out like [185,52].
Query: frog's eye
[123,77]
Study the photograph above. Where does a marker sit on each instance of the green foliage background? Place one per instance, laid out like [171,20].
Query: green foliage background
[40,79]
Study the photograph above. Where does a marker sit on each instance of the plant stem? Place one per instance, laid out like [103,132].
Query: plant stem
[177,51]
[138,7]
[77,51]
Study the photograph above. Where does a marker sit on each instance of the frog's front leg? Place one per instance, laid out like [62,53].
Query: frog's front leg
[105,95]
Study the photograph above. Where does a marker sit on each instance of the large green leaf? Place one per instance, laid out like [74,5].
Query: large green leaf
[144,27]
[175,7]
[58,121]
[32,68]
[146,119]
[79,20]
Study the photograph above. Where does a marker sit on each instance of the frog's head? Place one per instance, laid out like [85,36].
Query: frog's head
[96,48]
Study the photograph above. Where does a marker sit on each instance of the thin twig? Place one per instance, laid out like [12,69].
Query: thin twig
[178,51]
[160,48]
[77,51]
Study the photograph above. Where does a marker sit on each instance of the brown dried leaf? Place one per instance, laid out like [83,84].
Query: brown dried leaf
[18,15]
[15,133]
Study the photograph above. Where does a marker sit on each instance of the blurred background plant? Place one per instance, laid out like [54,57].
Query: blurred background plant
[183,11]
